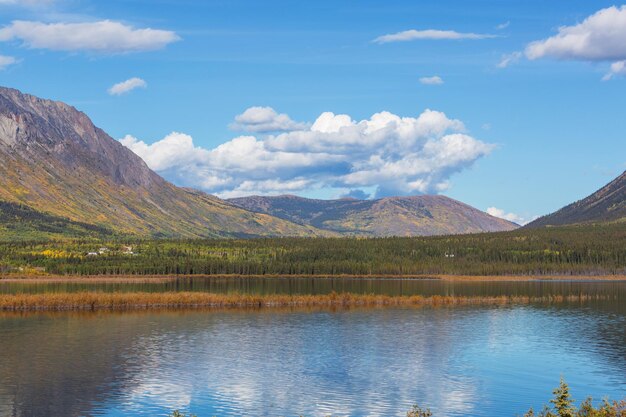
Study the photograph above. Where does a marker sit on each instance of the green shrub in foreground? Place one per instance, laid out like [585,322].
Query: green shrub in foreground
[563,406]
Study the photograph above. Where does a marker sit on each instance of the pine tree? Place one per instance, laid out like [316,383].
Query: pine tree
[562,400]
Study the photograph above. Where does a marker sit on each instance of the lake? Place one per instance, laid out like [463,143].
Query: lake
[459,361]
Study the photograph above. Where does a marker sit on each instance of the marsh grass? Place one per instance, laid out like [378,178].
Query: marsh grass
[178,300]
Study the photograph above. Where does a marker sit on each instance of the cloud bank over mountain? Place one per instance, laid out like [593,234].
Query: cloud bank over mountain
[380,156]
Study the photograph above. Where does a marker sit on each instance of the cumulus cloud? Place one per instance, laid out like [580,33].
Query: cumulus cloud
[512,217]
[600,37]
[6,61]
[173,150]
[617,68]
[105,36]
[509,59]
[434,80]
[127,86]
[393,155]
[430,34]
[265,119]
[356,194]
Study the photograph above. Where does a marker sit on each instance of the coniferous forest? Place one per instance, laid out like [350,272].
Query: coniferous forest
[578,250]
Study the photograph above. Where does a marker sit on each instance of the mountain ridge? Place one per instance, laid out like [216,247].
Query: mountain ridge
[390,216]
[605,205]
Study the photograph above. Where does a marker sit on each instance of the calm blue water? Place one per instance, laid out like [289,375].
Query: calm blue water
[461,361]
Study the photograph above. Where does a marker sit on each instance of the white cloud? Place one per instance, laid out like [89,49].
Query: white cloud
[434,80]
[265,119]
[28,3]
[393,155]
[617,68]
[512,217]
[6,61]
[509,59]
[105,36]
[503,26]
[175,149]
[600,37]
[432,34]
[126,86]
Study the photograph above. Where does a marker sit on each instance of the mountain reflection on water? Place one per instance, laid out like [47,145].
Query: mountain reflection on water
[480,361]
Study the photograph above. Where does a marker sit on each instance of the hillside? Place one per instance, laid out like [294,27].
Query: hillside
[55,161]
[19,222]
[394,216]
[606,204]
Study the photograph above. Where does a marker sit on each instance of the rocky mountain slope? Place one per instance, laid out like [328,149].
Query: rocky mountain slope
[606,204]
[55,161]
[393,216]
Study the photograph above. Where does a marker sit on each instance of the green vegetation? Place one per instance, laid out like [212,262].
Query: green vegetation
[20,222]
[417,411]
[563,406]
[590,249]
[179,414]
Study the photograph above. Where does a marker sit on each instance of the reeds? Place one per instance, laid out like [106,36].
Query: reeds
[174,300]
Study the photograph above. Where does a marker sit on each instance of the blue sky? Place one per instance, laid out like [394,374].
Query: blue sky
[527,139]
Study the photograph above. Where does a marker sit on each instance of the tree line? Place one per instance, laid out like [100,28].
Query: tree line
[590,249]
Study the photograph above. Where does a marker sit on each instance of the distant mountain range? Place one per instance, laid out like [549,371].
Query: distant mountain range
[394,216]
[60,172]
[605,205]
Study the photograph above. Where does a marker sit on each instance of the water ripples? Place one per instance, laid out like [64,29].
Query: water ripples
[479,361]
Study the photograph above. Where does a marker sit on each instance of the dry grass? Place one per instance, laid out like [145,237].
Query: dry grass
[175,300]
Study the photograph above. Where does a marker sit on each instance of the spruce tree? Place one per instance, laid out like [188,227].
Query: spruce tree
[562,400]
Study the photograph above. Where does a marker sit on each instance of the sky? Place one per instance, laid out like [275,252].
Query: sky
[515,107]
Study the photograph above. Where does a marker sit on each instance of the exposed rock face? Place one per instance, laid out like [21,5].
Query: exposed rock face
[606,204]
[40,129]
[53,159]
[393,216]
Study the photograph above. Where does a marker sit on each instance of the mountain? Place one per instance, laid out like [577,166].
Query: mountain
[60,172]
[55,162]
[393,216]
[606,204]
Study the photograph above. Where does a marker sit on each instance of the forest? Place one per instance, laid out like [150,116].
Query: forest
[598,249]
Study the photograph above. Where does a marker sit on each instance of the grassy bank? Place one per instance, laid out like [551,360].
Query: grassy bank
[178,300]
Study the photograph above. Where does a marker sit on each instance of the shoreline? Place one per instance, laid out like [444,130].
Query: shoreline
[9,278]
[93,301]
